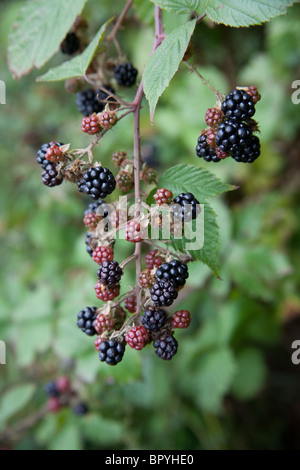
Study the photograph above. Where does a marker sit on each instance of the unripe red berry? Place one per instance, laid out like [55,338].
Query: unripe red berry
[107,119]
[63,384]
[138,337]
[153,259]
[103,323]
[91,220]
[146,279]
[125,180]
[90,124]
[97,342]
[133,231]
[130,304]
[103,253]
[118,158]
[54,154]
[181,319]
[163,196]
[214,117]
[106,293]
[54,405]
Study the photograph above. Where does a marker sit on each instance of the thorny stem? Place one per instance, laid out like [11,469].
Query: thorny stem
[159,34]
[194,70]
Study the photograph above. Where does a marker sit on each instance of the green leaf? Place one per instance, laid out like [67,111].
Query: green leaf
[246,12]
[38,32]
[102,430]
[251,374]
[14,400]
[164,63]
[182,6]
[190,178]
[212,376]
[77,66]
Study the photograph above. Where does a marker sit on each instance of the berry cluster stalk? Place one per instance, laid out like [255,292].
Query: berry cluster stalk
[159,34]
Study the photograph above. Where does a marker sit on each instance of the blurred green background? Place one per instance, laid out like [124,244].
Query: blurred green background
[232,384]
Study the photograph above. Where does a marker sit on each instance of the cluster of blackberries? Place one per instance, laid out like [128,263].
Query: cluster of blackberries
[169,278]
[94,101]
[184,207]
[50,175]
[231,128]
[61,395]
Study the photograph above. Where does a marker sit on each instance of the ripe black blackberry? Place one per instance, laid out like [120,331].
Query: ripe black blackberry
[51,389]
[163,293]
[91,243]
[109,273]
[203,150]
[247,153]
[165,347]
[154,319]
[238,106]
[50,176]
[111,352]
[91,101]
[80,409]
[186,207]
[70,44]
[125,74]
[41,153]
[97,182]
[175,271]
[231,135]
[85,320]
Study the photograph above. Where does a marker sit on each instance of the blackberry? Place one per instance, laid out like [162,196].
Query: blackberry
[91,101]
[50,176]
[125,74]
[153,259]
[54,154]
[203,150]
[106,293]
[107,119]
[134,231]
[238,106]
[80,409]
[70,44]
[90,243]
[214,117]
[179,209]
[125,180]
[103,253]
[63,384]
[85,320]
[231,135]
[163,293]
[181,319]
[97,182]
[111,352]
[103,323]
[41,153]
[51,389]
[54,405]
[175,271]
[163,196]
[154,319]
[254,93]
[91,124]
[130,304]
[165,347]
[109,273]
[91,220]
[247,153]
[119,158]
[138,337]
[146,279]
